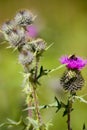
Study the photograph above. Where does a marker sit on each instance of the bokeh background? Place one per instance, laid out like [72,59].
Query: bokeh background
[62,22]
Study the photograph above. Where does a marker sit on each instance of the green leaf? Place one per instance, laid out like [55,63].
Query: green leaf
[65,112]
[42,72]
[59,104]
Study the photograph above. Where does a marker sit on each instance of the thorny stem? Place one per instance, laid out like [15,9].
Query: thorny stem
[34,94]
[30,111]
[36,68]
[36,103]
[68,114]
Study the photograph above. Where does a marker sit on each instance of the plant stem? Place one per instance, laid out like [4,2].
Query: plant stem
[34,98]
[69,114]
[36,68]
[30,111]
[36,104]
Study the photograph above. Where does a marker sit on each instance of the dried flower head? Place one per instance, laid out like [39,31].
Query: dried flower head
[23,18]
[17,37]
[72,80]
[8,26]
[37,45]
[26,57]
[41,45]
[73,62]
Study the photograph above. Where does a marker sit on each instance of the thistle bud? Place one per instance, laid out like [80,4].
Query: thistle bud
[72,80]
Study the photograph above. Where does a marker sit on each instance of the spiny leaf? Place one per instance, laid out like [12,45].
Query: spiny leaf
[66,111]
[12,122]
[81,99]
[59,104]
[42,72]
[32,121]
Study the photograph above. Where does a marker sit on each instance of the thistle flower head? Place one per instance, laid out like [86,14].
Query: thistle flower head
[73,62]
[8,26]
[23,18]
[17,37]
[26,57]
[72,79]
[41,45]
[37,45]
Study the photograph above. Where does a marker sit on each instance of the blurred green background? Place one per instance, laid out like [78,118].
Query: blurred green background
[64,23]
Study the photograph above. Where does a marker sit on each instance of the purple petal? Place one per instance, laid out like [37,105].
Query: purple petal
[73,62]
[32,31]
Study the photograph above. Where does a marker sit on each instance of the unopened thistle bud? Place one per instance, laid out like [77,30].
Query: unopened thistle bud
[23,18]
[72,79]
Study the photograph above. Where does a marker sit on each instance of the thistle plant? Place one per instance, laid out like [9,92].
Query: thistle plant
[71,81]
[22,36]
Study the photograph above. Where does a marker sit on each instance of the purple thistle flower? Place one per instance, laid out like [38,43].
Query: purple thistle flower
[32,31]
[73,62]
